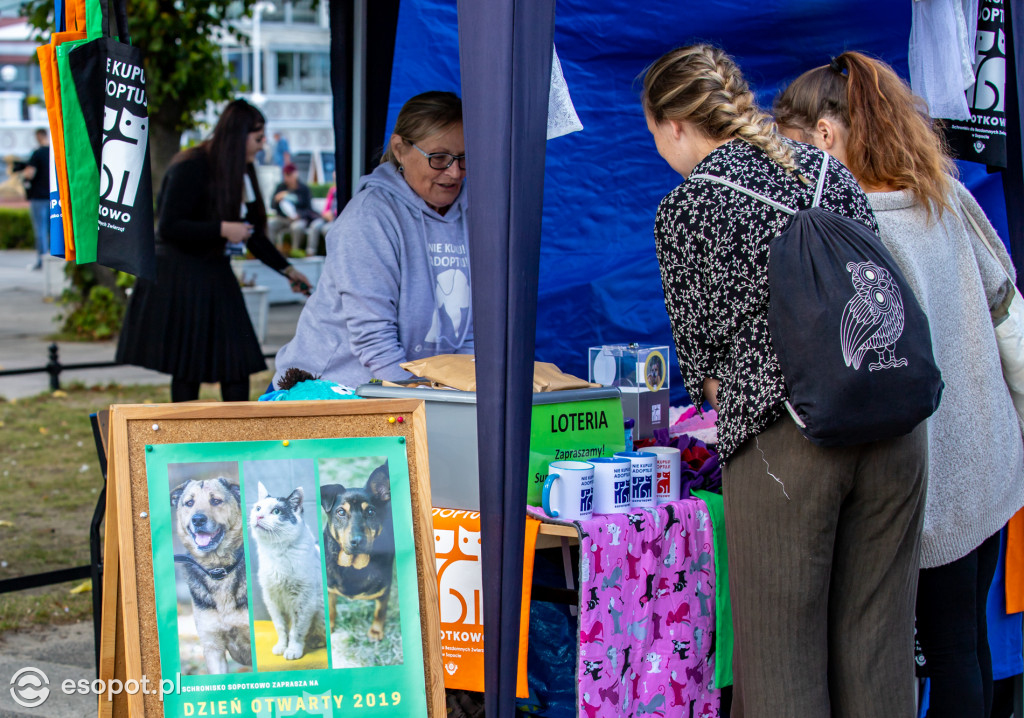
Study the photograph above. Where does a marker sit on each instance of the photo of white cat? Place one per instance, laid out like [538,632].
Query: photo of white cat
[287,602]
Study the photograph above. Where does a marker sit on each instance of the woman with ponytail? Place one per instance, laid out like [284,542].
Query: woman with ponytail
[858,109]
[823,542]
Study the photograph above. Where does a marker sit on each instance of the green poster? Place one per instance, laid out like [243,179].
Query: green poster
[285,578]
[577,430]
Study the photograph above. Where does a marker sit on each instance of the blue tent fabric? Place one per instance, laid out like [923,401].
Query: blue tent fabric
[599,281]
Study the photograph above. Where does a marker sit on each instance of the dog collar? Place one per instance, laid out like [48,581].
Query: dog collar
[217,574]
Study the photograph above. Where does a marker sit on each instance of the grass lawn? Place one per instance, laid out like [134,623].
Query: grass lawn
[50,480]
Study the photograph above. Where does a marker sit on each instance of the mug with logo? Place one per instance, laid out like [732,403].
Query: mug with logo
[569,490]
[667,472]
[642,464]
[612,484]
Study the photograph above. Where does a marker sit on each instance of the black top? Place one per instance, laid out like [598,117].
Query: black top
[192,322]
[303,200]
[712,245]
[188,219]
[39,185]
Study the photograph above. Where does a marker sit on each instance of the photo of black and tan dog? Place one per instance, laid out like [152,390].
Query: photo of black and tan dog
[209,522]
[359,546]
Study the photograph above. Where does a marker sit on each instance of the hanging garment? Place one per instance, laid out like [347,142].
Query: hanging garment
[937,75]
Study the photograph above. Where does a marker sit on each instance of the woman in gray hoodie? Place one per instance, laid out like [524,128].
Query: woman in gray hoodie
[396,282]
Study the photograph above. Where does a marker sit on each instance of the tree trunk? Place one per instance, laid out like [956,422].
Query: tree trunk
[164,141]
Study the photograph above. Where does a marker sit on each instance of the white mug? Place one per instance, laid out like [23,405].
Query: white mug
[612,484]
[569,490]
[667,472]
[642,465]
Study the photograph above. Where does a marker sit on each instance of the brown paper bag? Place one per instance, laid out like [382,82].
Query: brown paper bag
[458,371]
[548,377]
[455,370]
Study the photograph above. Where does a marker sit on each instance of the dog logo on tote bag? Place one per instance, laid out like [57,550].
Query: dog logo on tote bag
[124,154]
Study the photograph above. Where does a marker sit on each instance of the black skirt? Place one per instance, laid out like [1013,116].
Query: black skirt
[192,322]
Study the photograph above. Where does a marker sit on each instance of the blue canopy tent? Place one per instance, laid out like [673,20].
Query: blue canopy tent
[599,280]
[575,266]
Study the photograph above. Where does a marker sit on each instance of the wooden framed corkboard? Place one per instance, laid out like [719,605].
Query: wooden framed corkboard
[223,459]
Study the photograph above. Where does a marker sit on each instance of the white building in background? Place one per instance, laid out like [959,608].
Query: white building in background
[21,90]
[294,82]
[291,43]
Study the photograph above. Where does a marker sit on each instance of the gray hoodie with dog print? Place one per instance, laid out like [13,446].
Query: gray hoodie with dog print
[395,287]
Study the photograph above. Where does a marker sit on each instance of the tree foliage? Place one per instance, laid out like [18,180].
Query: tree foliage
[184,67]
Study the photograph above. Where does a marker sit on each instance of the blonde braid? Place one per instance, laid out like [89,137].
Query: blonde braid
[701,84]
[739,115]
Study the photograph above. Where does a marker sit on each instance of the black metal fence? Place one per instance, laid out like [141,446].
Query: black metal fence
[54,368]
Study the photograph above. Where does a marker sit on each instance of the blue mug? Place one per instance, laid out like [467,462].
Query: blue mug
[569,490]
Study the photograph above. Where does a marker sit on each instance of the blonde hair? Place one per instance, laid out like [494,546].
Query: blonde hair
[701,84]
[422,116]
[890,139]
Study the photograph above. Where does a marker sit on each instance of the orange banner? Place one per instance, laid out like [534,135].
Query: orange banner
[460,586]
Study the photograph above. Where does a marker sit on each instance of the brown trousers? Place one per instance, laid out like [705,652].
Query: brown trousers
[824,581]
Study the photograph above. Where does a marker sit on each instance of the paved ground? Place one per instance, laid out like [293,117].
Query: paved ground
[61,653]
[27,317]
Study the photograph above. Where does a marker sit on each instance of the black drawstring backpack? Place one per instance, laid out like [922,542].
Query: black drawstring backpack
[853,343]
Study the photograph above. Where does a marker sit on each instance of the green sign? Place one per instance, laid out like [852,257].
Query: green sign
[245,576]
[577,430]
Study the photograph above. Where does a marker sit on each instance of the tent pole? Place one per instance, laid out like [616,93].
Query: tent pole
[505,59]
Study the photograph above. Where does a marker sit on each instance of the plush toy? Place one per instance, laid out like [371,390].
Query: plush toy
[297,384]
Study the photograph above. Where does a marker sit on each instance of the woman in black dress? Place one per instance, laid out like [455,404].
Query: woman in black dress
[192,322]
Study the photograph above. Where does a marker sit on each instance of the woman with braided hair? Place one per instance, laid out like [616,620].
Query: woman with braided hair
[860,111]
[823,542]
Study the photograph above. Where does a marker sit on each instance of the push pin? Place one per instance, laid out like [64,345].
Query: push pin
[391,420]
[149,447]
[401,439]
[143,515]
[401,419]
[285,442]
[156,427]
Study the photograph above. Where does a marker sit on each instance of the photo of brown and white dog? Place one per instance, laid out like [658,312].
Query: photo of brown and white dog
[209,522]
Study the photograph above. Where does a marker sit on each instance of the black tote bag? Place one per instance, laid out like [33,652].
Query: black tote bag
[111,85]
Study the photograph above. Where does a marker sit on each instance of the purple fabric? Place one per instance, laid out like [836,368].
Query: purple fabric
[699,467]
[647,613]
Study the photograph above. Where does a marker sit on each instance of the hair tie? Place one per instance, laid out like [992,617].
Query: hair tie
[835,67]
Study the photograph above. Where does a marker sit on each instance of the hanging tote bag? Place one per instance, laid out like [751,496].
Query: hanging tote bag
[111,90]
[853,344]
[73,16]
[1009,332]
[83,176]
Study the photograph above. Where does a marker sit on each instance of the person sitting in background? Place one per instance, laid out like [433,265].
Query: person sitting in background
[395,285]
[329,214]
[293,203]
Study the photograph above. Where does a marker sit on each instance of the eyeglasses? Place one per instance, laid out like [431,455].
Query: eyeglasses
[441,160]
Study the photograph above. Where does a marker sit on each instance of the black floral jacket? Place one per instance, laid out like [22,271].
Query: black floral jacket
[712,245]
